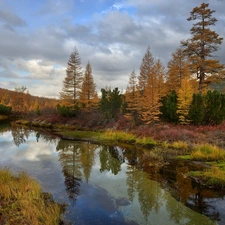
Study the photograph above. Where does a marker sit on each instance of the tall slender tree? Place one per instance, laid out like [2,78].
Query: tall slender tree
[73,80]
[185,94]
[203,43]
[88,91]
[178,68]
[145,69]
[150,101]
[132,98]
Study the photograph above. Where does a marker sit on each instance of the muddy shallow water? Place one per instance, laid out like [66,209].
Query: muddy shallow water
[110,184]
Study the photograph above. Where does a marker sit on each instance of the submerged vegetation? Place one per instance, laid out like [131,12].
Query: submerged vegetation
[22,201]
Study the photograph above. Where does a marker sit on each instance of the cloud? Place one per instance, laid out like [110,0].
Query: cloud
[35,49]
[11,19]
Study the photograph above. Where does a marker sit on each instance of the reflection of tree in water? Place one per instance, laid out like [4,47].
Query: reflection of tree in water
[20,135]
[111,159]
[149,194]
[188,192]
[132,177]
[73,157]
[87,159]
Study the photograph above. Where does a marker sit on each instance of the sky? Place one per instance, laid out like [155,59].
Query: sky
[37,38]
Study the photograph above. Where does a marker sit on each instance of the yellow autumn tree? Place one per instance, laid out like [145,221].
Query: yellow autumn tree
[178,68]
[185,94]
[150,101]
[88,91]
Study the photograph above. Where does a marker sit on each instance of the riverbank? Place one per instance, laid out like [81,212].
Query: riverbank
[23,202]
[175,140]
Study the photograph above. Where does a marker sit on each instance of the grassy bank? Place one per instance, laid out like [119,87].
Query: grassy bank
[215,175]
[109,136]
[22,201]
[174,140]
[213,156]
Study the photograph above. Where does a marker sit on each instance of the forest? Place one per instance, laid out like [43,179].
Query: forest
[189,91]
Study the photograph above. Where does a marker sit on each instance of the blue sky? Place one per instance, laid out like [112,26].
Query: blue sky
[37,38]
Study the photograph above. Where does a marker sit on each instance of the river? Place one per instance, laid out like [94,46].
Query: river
[104,185]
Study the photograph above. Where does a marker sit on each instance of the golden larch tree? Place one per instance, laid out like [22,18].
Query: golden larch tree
[88,92]
[185,94]
[178,68]
[202,44]
[145,69]
[150,100]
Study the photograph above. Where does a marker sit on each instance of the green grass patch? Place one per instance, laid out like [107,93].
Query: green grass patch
[146,141]
[81,134]
[215,176]
[195,173]
[185,157]
[118,136]
[22,201]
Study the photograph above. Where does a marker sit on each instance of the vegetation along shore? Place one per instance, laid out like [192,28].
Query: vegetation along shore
[180,108]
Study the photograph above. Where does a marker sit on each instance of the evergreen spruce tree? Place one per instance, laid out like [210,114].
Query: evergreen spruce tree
[169,108]
[214,107]
[197,109]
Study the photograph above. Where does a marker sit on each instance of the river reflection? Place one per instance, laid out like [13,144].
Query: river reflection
[103,184]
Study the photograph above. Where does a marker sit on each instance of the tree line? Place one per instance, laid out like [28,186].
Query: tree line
[20,102]
[157,93]
[181,93]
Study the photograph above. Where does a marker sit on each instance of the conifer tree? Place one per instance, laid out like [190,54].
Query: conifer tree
[203,43]
[88,91]
[132,97]
[145,69]
[159,70]
[169,108]
[197,109]
[73,80]
[150,100]
[177,69]
[185,94]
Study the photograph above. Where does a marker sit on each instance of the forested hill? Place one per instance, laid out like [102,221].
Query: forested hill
[22,102]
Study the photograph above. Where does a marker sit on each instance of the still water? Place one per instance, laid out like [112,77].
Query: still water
[106,184]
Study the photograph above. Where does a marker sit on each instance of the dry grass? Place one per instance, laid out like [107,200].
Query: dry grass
[208,152]
[22,201]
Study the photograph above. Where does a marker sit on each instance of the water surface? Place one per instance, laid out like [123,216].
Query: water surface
[108,184]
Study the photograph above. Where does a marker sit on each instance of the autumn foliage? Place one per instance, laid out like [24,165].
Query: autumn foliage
[182,93]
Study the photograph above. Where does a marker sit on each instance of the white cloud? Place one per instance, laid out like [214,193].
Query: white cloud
[114,42]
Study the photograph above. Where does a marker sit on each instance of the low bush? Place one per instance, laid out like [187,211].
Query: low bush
[5,110]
